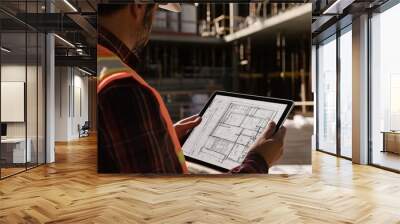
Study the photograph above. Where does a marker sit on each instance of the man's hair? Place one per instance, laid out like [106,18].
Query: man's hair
[109,9]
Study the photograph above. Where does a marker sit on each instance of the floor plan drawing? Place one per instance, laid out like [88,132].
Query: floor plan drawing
[237,129]
[229,127]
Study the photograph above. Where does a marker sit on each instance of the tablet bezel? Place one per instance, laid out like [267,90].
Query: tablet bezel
[289,107]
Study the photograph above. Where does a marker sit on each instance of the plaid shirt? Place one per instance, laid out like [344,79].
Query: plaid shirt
[132,136]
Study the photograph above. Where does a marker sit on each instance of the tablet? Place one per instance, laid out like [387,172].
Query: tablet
[231,122]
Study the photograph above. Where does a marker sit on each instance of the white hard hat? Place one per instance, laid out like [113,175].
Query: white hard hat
[174,7]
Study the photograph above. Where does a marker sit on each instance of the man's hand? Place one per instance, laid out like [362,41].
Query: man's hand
[183,126]
[270,145]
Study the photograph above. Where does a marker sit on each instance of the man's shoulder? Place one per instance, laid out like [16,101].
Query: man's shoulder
[126,87]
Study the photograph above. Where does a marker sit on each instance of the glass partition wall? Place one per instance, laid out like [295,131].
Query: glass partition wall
[22,77]
[334,94]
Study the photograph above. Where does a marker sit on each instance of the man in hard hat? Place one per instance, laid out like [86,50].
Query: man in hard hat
[135,131]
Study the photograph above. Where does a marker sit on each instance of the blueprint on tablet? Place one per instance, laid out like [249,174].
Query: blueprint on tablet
[229,127]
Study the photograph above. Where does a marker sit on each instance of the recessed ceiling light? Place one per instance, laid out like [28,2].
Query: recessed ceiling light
[5,49]
[70,5]
[337,7]
[84,71]
[64,40]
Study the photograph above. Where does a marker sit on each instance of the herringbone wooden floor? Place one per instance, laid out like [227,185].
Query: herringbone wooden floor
[70,191]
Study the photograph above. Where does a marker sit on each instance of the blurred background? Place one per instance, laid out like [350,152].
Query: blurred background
[260,48]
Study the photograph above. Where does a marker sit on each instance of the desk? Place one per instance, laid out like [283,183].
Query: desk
[391,141]
[13,150]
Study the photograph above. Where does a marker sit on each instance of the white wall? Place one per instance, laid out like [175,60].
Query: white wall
[62,81]
[80,97]
[71,93]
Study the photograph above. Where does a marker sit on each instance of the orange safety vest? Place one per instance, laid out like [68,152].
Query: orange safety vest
[110,68]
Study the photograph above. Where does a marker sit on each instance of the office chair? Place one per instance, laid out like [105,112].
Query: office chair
[84,130]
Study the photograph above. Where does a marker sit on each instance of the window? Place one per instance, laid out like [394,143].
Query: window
[346,92]
[326,96]
[385,89]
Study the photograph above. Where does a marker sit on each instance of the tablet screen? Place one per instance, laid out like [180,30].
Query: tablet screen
[228,127]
